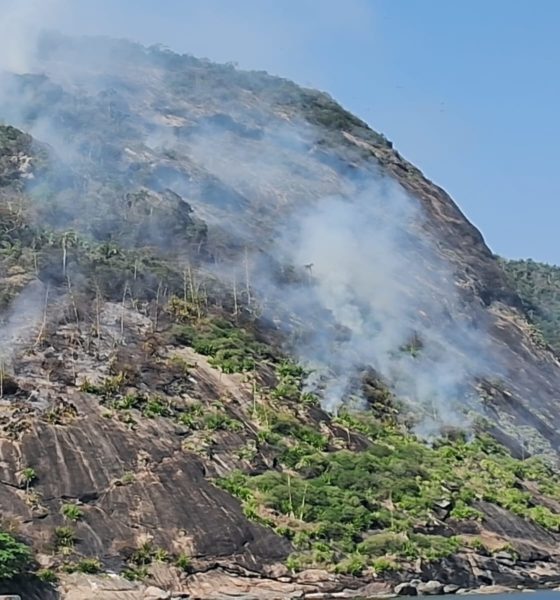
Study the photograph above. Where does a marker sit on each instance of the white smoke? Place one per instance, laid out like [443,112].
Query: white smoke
[21,321]
[375,273]
[21,23]
[374,279]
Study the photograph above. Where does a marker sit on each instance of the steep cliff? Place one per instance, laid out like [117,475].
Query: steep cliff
[248,348]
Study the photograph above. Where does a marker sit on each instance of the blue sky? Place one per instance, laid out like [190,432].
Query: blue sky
[468,90]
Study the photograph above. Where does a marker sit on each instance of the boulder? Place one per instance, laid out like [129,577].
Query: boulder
[314,576]
[406,589]
[503,555]
[495,589]
[154,593]
[430,588]
[450,588]
[276,571]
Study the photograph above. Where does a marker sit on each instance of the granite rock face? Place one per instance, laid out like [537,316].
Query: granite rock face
[162,154]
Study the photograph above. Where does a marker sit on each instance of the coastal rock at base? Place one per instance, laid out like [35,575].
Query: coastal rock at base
[219,585]
[494,589]
[406,589]
[430,588]
[375,589]
[450,588]
[314,576]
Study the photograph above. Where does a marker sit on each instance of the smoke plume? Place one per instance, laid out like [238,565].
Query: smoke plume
[371,291]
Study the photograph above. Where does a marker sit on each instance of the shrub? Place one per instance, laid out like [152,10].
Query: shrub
[295,563]
[160,555]
[28,476]
[47,576]
[353,565]
[143,554]
[90,388]
[544,517]
[72,512]
[220,421]
[156,408]
[435,547]
[384,565]
[289,369]
[128,478]
[89,566]
[462,511]
[64,537]
[380,544]
[236,485]
[14,556]
[232,349]
[128,402]
[184,562]
[135,573]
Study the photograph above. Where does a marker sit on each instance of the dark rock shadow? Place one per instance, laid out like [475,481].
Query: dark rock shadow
[30,588]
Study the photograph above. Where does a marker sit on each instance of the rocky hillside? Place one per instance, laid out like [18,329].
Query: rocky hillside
[247,349]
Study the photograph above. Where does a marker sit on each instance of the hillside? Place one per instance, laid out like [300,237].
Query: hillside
[538,285]
[249,349]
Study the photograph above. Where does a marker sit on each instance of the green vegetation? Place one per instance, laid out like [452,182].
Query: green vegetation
[71,511]
[89,566]
[193,415]
[384,565]
[145,555]
[538,285]
[28,476]
[15,557]
[128,478]
[291,379]
[184,562]
[64,538]
[462,511]
[15,143]
[232,349]
[133,573]
[160,555]
[355,509]
[47,575]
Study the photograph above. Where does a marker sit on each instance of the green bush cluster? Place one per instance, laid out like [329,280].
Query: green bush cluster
[15,557]
[71,511]
[89,566]
[146,554]
[351,508]
[232,349]
[290,385]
